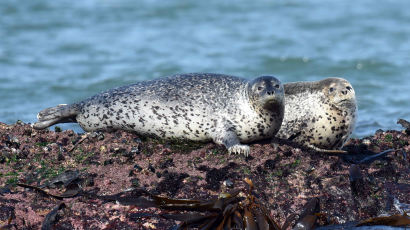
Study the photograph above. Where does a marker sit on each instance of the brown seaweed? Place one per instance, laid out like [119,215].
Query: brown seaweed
[246,213]
[71,190]
[8,225]
[238,210]
[308,217]
[51,217]
[393,220]
[229,210]
[64,178]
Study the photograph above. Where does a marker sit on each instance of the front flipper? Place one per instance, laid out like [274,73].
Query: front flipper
[229,139]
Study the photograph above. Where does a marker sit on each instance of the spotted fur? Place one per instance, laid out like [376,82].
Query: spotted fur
[321,114]
[202,107]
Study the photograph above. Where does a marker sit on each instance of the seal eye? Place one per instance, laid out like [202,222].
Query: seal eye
[277,86]
[260,88]
[331,89]
[348,88]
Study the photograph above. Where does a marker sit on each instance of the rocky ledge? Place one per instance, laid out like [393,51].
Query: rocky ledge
[349,187]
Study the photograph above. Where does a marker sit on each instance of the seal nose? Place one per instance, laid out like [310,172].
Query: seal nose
[348,89]
[270,92]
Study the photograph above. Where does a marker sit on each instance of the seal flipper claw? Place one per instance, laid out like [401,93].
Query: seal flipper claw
[230,140]
[58,114]
[239,149]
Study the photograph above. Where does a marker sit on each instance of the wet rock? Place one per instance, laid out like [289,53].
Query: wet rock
[131,173]
[171,183]
[128,154]
[215,177]
[97,135]
[166,163]
[2,158]
[60,156]
[137,167]
[270,164]
[357,183]
[27,132]
[88,179]
[137,140]
[108,162]
[5,190]
[284,177]
[159,174]
[151,168]
[228,183]
[64,141]
[405,125]
[134,150]
[57,129]
[135,182]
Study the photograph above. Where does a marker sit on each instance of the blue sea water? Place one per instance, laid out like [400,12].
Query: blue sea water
[54,52]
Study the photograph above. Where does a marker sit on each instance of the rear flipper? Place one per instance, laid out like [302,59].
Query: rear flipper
[54,115]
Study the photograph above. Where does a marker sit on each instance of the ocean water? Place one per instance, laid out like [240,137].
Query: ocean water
[54,52]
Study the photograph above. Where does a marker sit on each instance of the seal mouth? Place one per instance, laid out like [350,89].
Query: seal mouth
[271,103]
[272,100]
[346,103]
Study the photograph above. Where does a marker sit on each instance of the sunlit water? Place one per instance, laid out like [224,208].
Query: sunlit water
[54,52]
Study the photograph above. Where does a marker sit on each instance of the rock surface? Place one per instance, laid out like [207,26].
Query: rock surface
[285,177]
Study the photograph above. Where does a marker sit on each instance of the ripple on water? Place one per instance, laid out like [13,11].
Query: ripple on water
[55,52]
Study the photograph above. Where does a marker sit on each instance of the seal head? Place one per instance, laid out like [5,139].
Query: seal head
[339,94]
[320,114]
[267,91]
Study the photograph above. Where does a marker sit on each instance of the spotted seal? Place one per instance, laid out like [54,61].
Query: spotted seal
[199,106]
[320,114]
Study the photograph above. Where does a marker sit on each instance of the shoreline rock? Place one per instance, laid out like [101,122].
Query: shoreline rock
[285,178]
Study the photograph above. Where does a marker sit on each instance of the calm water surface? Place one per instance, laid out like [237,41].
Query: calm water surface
[54,52]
